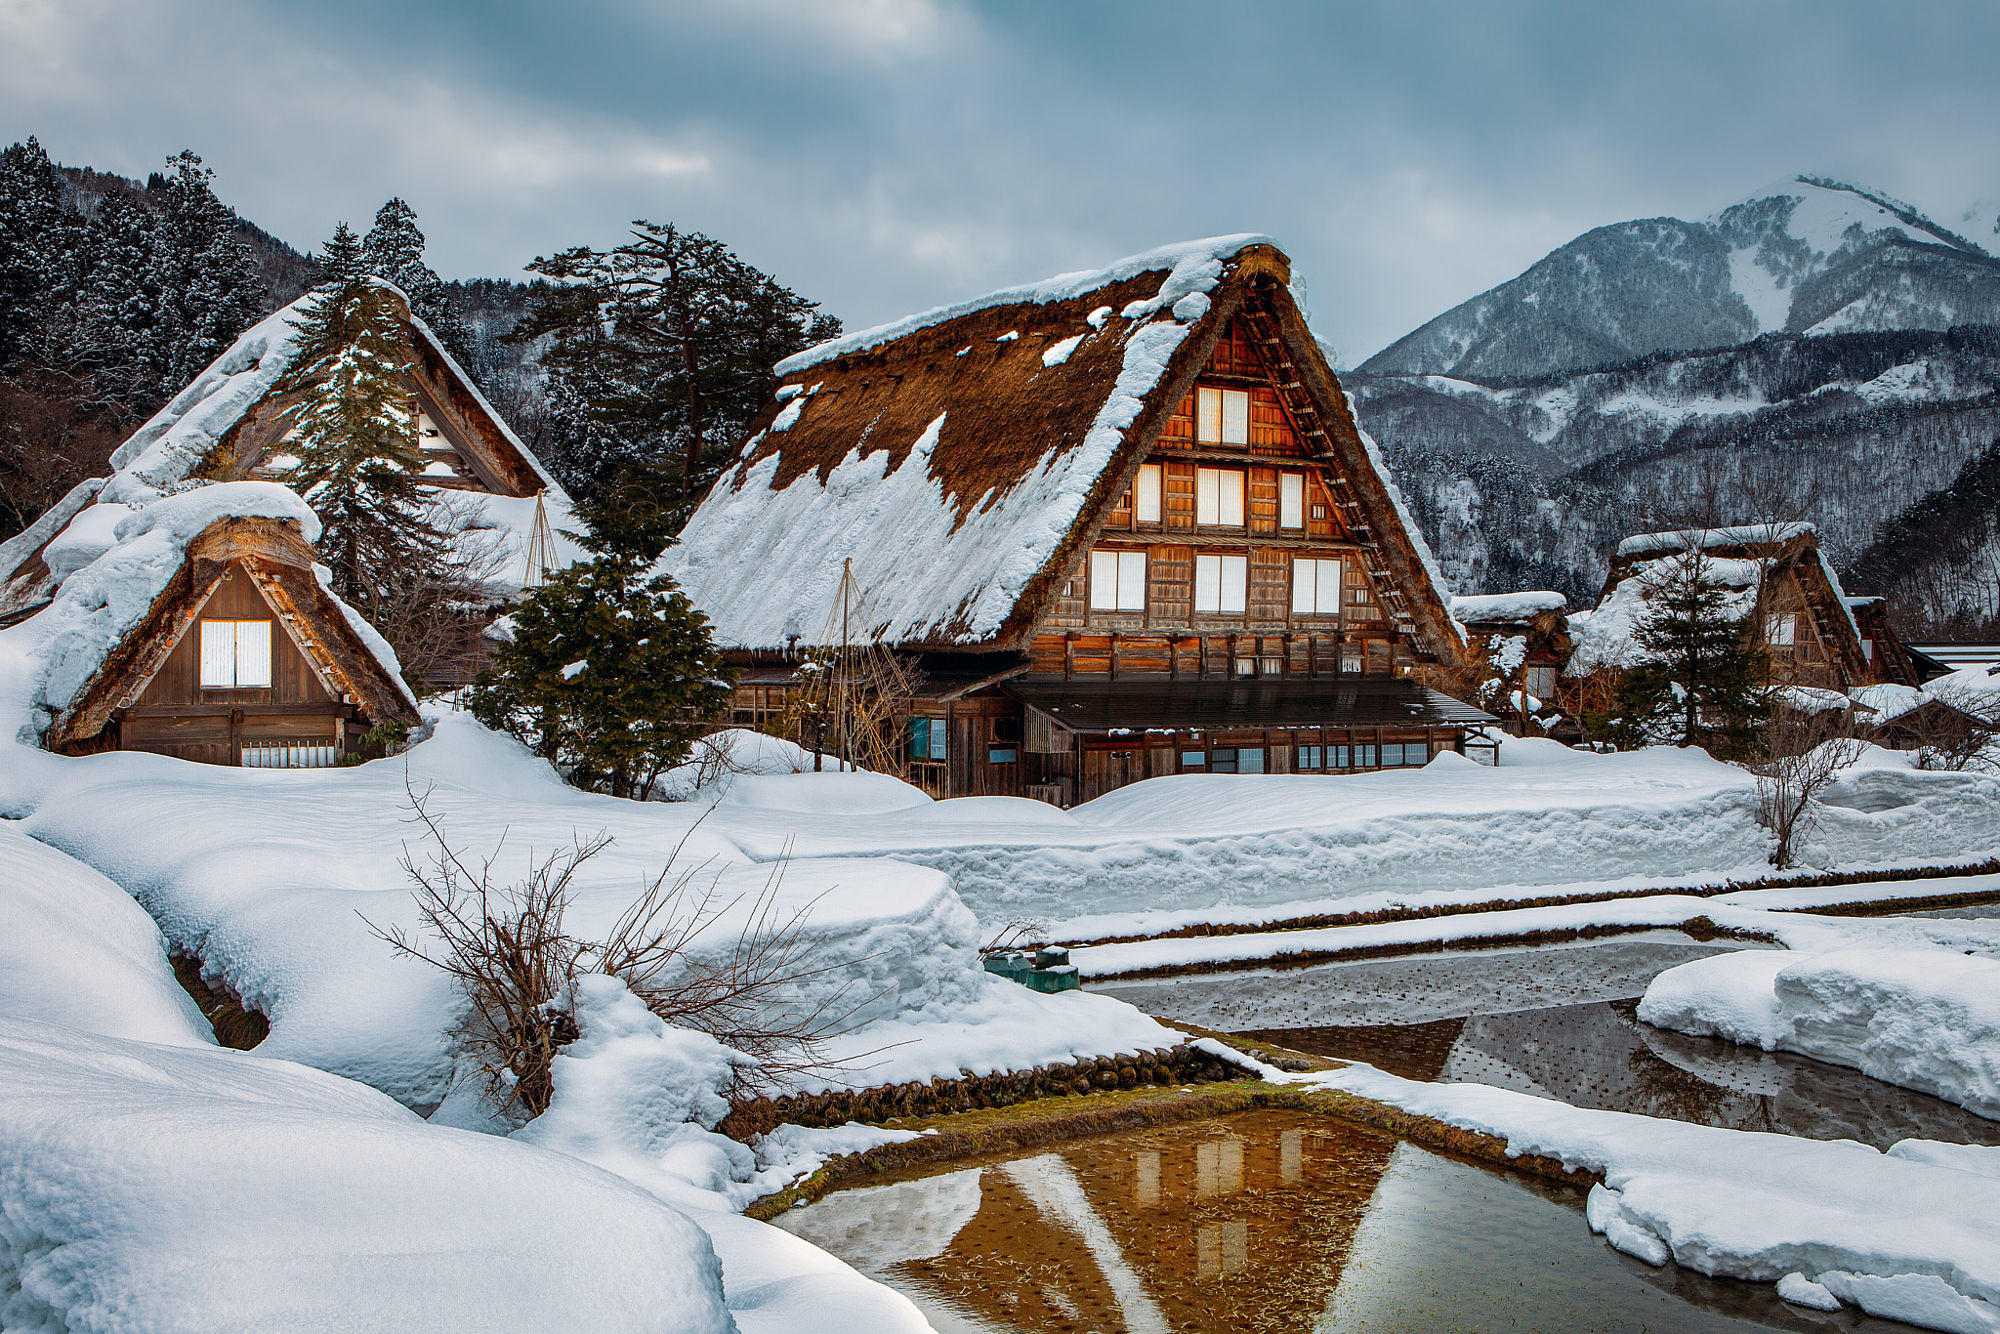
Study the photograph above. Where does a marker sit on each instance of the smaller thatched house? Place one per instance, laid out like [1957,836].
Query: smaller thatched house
[1526,643]
[1779,585]
[1894,661]
[203,631]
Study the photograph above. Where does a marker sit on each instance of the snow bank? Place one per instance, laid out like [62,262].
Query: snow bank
[1926,1019]
[1898,1236]
[78,951]
[210,1190]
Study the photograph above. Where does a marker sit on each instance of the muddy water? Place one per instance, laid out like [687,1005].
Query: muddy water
[1268,1220]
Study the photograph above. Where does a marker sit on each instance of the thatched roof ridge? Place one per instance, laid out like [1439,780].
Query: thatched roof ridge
[961,459]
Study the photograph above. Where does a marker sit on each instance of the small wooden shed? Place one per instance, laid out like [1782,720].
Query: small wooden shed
[243,658]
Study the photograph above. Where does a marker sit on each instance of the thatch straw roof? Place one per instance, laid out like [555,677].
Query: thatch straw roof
[962,459]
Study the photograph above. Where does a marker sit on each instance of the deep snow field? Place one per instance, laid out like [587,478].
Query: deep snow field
[214,1189]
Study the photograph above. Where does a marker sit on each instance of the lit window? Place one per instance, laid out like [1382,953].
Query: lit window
[1118,581]
[235,655]
[1220,583]
[1315,586]
[1291,500]
[1222,416]
[1146,494]
[1218,496]
[1782,631]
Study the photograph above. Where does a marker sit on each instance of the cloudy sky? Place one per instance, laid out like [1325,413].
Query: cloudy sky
[882,156]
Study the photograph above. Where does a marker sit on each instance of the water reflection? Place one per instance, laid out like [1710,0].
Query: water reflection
[1600,1055]
[1267,1221]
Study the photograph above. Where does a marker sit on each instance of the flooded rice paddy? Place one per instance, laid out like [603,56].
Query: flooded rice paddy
[1263,1221]
[1277,1220]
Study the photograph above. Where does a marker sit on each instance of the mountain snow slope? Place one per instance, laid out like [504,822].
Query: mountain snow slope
[1809,255]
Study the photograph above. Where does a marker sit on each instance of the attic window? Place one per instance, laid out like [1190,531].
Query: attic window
[235,655]
[1222,416]
[1782,631]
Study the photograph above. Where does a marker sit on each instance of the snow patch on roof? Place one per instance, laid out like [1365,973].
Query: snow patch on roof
[1523,606]
[1195,266]
[1690,539]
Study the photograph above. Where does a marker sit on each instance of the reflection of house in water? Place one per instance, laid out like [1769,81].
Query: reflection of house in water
[1243,1224]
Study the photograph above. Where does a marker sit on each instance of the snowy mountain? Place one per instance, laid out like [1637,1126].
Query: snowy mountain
[1810,255]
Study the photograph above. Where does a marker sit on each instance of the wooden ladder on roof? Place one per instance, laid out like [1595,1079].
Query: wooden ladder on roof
[1305,419]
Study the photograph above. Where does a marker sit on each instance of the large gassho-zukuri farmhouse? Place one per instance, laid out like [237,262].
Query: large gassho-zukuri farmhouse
[1121,524]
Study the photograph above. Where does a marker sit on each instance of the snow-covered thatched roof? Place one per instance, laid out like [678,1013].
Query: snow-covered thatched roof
[961,459]
[140,582]
[1712,539]
[1505,608]
[225,423]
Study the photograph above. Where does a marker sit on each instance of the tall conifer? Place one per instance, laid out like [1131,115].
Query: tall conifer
[1703,682]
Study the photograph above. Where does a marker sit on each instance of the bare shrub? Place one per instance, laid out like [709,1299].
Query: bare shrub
[508,950]
[1801,753]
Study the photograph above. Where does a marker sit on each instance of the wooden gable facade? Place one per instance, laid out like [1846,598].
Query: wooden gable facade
[1241,592]
[244,659]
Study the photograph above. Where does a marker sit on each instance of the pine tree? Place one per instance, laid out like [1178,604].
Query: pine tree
[1703,680]
[356,441]
[669,341]
[610,675]
[209,287]
[341,259]
[394,249]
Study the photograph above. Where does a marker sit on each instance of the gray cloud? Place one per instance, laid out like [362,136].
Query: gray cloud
[885,155]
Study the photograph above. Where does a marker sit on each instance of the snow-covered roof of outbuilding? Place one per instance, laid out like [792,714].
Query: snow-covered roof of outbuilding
[1486,608]
[961,458]
[51,661]
[1689,539]
[228,418]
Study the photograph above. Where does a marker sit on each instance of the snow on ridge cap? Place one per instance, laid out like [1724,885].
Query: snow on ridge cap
[1688,539]
[185,514]
[1060,287]
[1481,606]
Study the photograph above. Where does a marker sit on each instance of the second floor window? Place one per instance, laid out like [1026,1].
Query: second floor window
[235,655]
[1118,581]
[1146,489]
[1218,497]
[1315,587]
[1291,500]
[1540,682]
[1222,416]
[1220,583]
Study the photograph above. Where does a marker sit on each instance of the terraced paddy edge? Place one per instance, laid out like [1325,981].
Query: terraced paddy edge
[959,1136]
[1425,912]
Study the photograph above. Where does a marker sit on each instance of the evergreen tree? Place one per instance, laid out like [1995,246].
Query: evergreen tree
[209,288]
[394,249]
[1703,680]
[610,675]
[341,259]
[668,342]
[356,441]
[39,244]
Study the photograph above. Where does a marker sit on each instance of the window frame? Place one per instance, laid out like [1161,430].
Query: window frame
[1220,564]
[206,650]
[1291,502]
[1217,504]
[1316,568]
[1156,475]
[1125,568]
[1216,410]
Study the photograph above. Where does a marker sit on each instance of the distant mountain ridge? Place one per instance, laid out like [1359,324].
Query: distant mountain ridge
[1810,255]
